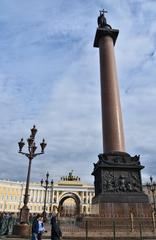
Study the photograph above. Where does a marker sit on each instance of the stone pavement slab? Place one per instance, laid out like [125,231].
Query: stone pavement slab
[15,238]
[84,238]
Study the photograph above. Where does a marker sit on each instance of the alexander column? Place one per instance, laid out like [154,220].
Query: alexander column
[113,136]
[118,185]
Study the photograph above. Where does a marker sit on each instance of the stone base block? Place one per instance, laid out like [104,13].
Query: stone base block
[118,210]
[121,197]
[22,230]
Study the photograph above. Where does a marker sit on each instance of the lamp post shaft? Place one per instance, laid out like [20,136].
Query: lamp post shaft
[26,196]
[45,200]
[51,209]
[46,186]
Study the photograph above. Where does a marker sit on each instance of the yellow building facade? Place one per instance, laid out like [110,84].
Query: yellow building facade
[69,195]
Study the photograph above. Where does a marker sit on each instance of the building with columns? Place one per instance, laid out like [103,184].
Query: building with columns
[69,196]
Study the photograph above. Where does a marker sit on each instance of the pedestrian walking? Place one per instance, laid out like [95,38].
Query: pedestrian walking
[37,227]
[56,233]
[41,228]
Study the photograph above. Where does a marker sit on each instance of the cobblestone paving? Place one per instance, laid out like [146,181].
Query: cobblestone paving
[9,238]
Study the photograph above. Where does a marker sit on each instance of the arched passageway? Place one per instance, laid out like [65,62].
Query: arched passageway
[69,205]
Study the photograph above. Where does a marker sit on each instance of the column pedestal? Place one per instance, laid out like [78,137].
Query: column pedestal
[23,229]
[118,187]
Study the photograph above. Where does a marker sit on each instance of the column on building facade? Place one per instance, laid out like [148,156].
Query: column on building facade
[37,195]
[57,196]
[30,195]
[20,197]
[23,193]
[87,196]
[39,199]
[90,197]
[82,199]
[50,200]
[41,193]
[47,200]
[34,195]
[49,196]
[54,196]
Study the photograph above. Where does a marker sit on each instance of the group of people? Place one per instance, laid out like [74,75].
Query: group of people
[7,221]
[38,228]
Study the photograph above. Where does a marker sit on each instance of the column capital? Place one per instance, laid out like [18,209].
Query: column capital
[102,32]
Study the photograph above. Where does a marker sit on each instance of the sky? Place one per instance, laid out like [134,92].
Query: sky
[49,76]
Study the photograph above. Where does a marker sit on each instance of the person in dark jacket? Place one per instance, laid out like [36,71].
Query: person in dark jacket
[56,233]
[41,229]
[37,228]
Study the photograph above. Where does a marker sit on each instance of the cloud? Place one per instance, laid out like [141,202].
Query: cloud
[49,76]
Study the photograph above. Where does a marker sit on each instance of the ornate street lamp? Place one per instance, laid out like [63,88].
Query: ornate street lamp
[46,185]
[52,191]
[151,186]
[24,213]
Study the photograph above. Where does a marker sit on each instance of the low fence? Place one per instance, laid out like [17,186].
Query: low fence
[113,228]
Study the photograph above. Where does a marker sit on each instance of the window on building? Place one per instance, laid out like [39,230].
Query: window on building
[84,209]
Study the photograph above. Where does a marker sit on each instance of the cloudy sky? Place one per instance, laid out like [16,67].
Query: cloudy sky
[49,76]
